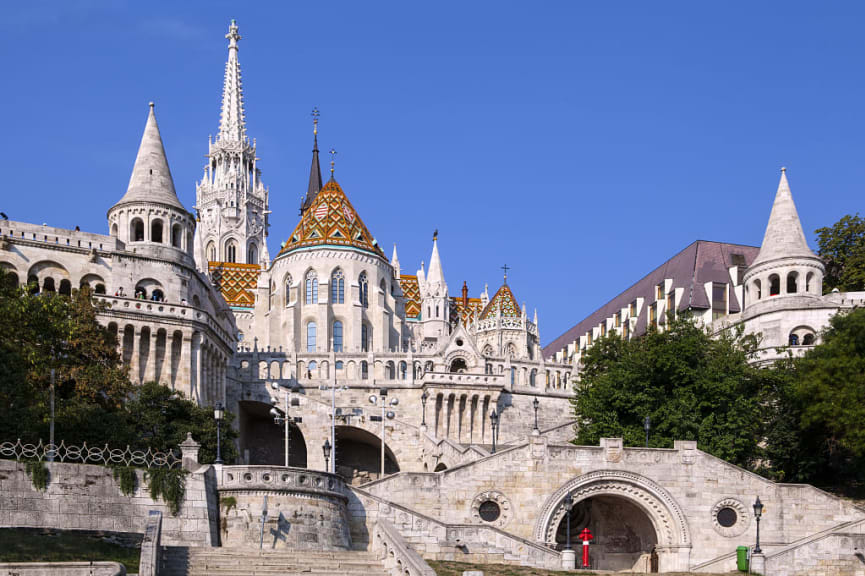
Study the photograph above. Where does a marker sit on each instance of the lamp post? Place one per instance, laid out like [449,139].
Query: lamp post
[51,422]
[647,423]
[423,399]
[535,404]
[569,504]
[282,417]
[326,449]
[382,399]
[494,424]
[758,511]
[332,388]
[218,414]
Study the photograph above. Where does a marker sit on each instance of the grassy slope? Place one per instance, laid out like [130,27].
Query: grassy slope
[46,545]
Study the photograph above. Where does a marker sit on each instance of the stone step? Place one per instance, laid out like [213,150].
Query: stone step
[199,561]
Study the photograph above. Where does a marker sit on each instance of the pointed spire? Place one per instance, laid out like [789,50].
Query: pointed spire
[435,274]
[784,237]
[151,178]
[315,182]
[394,262]
[465,293]
[332,162]
[232,122]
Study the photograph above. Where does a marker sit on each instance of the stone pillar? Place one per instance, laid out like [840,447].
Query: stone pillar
[569,559]
[189,453]
[758,564]
[150,367]
[134,360]
[183,376]
[195,367]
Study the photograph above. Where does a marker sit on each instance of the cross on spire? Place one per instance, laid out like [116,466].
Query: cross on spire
[315,114]
[506,268]
[332,162]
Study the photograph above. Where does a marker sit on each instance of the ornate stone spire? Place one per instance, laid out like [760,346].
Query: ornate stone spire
[394,262]
[151,178]
[315,182]
[232,122]
[435,274]
[784,237]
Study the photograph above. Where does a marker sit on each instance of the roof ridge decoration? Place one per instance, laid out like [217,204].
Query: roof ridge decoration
[505,301]
[331,220]
[151,179]
[232,120]
[784,237]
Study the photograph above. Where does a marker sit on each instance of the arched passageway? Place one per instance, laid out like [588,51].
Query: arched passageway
[624,536]
[263,441]
[358,455]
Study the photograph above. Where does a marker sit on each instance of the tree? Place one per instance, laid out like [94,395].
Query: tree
[842,249]
[691,385]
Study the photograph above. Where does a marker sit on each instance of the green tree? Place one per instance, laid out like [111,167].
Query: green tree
[691,385]
[842,248]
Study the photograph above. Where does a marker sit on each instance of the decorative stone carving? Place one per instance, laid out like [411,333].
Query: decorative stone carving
[613,449]
[492,496]
[743,517]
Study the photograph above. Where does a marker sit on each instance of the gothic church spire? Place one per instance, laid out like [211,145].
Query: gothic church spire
[232,122]
[315,181]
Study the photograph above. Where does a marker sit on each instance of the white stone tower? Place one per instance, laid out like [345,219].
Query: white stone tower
[231,201]
[435,303]
[786,267]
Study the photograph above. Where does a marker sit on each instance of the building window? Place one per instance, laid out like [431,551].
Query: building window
[230,251]
[310,337]
[603,329]
[758,289]
[659,291]
[337,287]
[618,319]
[311,287]
[252,254]
[626,330]
[808,340]
[337,336]
[311,368]
[792,282]
[288,283]
[363,283]
[156,231]
[632,310]
[137,232]
[653,315]
[364,370]
[176,235]
[671,304]
[364,338]
[532,376]
[403,370]
[513,376]
[774,285]
[719,300]
[794,340]
[211,252]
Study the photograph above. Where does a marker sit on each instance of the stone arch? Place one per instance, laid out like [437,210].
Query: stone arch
[663,511]
[136,230]
[156,230]
[264,441]
[802,336]
[177,235]
[358,454]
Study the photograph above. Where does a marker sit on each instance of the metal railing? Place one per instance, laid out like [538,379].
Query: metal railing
[85,454]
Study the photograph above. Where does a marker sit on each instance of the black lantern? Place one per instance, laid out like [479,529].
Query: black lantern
[569,504]
[423,399]
[758,511]
[326,449]
[218,415]
[494,423]
[647,423]
[535,404]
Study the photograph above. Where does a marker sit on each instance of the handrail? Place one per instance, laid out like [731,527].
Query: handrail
[399,558]
[151,545]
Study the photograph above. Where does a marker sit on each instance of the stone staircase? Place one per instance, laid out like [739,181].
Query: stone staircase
[193,561]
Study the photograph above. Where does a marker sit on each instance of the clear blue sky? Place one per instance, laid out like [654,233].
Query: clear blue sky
[580,143]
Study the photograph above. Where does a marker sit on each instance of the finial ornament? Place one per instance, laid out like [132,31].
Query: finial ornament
[435,234]
[332,156]
[151,104]
[783,169]
[315,114]
[506,268]
[232,35]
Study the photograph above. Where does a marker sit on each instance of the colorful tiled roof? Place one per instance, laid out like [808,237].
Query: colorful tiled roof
[331,220]
[504,298]
[411,291]
[237,282]
[465,310]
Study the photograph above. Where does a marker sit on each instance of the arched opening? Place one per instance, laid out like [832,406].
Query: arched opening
[793,340]
[624,536]
[99,289]
[808,340]
[48,285]
[774,285]
[157,295]
[263,442]
[388,370]
[33,283]
[792,282]
[176,236]
[403,370]
[252,254]
[211,252]
[230,251]
[136,230]
[358,455]
[9,275]
[758,290]
[156,231]
[65,287]
[458,366]
[440,467]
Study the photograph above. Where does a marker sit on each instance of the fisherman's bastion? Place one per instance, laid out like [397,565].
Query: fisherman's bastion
[343,347]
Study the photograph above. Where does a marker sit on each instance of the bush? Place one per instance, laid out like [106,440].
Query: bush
[38,474]
[126,479]
[168,485]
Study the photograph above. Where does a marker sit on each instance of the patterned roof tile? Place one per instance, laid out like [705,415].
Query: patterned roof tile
[237,282]
[504,298]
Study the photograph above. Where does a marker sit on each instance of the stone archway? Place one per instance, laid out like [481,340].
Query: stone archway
[263,442]
[633,512]
[358,455]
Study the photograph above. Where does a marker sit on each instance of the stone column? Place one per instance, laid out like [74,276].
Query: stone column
[183,375]
[150,367]
[133,356]
[195,367]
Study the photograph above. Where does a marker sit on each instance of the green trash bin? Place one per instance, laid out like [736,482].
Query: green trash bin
[742,558]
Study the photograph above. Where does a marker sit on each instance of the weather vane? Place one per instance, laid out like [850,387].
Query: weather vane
[315,114]
[332,156]
[436,234]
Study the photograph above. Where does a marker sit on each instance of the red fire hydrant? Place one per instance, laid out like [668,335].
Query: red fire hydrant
[586,536]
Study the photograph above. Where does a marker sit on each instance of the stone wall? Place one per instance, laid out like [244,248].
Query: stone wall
[86,497]
[838,554]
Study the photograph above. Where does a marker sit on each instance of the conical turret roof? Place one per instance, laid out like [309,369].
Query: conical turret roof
[505,301]
[331,220]
[436,274]
[784,237]
[151,178]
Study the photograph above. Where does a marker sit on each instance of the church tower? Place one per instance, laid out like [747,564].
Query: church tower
[785,267]
[231,201]
[435,303]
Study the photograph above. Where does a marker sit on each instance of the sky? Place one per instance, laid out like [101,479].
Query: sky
[582,144]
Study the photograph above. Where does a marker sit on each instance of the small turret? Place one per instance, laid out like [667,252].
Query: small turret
[435,303]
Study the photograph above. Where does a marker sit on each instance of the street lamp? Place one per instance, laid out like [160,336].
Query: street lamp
[647,423]
[494,423]
[282,417]
[535,404]
[332,388]
[423,399]
[569,504]
[326,449]
[218,414]
[758,511]
[382,399]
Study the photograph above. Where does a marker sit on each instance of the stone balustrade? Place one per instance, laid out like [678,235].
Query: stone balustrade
[280,478]
[398,557]
[163,310]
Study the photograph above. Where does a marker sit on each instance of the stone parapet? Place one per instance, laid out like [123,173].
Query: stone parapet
[63,568]
[398,557]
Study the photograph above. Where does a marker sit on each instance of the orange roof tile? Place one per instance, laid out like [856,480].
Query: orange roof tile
[237,282]
[411,291]
[504,298]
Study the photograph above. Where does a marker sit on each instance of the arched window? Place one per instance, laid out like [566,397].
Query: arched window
[794,340]
[364,370]
[338,365]
[176,235]
[157,296]
[337,336]
[136,232]
[488,368]
[403,370]
[513,376]
[156,231]
[388,371]
[48,285]
[311,368]
[65,287]
[337,287]
[288,284]
[808,281]
[100,289]
[252,254]
[808,340]
[792,282]
[458,366]
[364,290]
[774,285]
[114,229]
[33,283]
[230,251]
[311,287]
[532,377]
[364,338]
[310,337]
[428,367]
[211,252]
[758,289]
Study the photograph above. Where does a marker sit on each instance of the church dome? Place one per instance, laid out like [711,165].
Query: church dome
[331,220]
